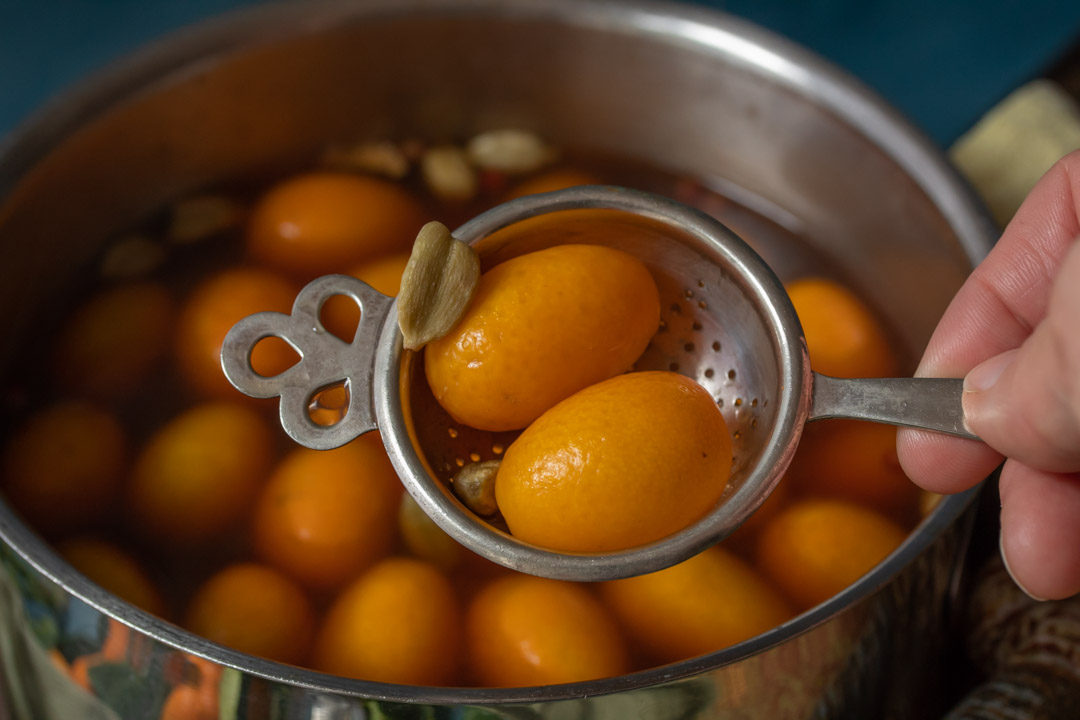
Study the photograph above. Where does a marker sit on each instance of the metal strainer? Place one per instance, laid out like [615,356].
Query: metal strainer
[726,322]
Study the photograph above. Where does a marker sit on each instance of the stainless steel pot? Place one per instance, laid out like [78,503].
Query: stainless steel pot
[691,91]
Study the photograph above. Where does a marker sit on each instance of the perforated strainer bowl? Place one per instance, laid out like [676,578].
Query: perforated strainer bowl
[726,322]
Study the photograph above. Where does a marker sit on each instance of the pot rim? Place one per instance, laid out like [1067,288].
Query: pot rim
[706,30]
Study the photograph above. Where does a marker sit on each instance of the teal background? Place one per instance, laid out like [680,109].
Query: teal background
[941,62]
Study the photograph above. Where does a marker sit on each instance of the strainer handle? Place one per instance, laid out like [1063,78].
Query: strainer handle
[924,403]
[325,360]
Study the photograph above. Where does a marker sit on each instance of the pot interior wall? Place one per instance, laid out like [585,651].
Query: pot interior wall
[681,107]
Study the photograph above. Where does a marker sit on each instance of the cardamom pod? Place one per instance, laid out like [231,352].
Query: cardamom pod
[437,285]
[515,152]
[448,174]
[474,485]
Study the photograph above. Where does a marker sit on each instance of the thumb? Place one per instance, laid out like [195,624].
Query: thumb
[1025,403]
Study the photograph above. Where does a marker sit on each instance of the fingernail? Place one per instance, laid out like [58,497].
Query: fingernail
[985,374]
[1005,562]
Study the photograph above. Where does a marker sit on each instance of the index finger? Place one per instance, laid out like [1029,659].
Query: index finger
[995,310]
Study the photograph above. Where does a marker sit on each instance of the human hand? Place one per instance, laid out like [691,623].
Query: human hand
[1013,333]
